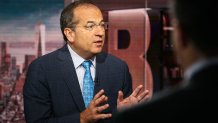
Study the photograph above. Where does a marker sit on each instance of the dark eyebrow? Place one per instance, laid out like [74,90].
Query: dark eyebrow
[94,22]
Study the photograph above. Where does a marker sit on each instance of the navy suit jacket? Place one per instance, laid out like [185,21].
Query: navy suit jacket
[52,93]
[196,100]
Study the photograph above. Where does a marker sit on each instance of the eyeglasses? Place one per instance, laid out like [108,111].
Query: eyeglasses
[91,26]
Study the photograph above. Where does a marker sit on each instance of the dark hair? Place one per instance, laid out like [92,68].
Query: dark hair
[67,15]
[199,21]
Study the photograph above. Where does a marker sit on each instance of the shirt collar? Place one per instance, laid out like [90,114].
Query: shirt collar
[197,66]
[78,60]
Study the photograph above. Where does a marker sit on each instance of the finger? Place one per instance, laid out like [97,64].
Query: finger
[143,95]
[104,116]
[137,90]
[146,98]
[102,108]
[99,94]
[120,96]
[100,100]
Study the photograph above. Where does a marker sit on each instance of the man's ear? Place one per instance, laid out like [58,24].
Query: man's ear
[180,33]
[69,34]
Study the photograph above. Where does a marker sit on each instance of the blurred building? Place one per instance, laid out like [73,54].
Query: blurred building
[1,96]
[41,39]
[27,60]
[3,52]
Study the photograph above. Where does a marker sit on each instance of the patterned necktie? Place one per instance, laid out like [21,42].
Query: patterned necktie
[88,84]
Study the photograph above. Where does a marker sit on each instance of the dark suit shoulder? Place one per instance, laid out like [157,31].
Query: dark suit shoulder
[206,77]
[45,60]
[109,58]
[169,98]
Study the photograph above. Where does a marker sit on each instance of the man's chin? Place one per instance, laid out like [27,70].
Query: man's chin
[97,50]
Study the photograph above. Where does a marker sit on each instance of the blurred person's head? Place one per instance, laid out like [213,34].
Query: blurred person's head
[83,28]
[195,30]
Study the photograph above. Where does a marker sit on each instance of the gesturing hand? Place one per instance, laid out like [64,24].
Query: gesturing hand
[93,111]
[133,99]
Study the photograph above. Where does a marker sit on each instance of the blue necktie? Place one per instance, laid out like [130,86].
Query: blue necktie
[88,84]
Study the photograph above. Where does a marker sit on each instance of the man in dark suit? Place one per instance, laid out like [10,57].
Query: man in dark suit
[53,90]
[196,47]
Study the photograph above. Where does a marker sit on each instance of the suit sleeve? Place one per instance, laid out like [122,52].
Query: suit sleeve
[37,99]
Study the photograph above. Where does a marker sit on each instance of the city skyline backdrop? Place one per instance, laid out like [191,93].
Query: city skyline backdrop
[18,25]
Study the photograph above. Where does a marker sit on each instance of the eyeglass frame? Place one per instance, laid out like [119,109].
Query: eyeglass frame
[102,24]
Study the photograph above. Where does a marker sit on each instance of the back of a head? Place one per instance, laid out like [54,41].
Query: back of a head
[199,21]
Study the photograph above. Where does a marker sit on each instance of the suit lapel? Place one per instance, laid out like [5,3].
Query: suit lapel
[100,71]
[70,77]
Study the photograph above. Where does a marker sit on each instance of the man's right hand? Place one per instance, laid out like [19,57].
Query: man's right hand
[93,111]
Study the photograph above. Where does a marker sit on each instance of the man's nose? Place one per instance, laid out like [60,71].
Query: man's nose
[99,31]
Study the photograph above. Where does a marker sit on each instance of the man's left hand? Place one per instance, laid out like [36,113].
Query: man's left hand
[133,99]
